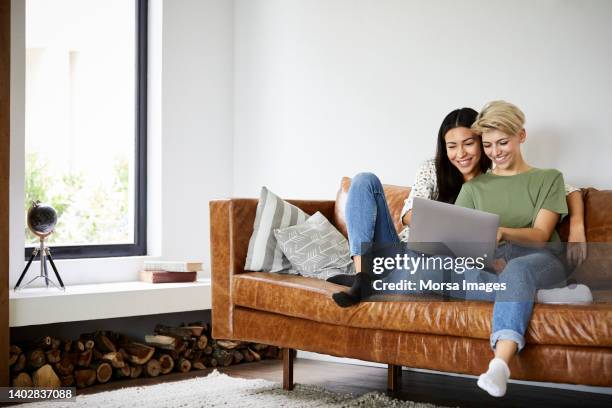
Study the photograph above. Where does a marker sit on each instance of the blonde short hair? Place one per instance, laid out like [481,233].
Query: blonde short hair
[499,115]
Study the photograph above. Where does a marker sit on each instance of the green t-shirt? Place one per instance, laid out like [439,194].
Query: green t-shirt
[516,199]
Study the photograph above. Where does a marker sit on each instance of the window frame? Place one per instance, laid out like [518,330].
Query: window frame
[139,247]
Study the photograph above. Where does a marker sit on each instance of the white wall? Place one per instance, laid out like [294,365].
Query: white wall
[197,123]
[190,146]
[326,88]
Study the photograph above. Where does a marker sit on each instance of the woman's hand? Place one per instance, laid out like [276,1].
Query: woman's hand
[500,235]
[576,246]
[576,241]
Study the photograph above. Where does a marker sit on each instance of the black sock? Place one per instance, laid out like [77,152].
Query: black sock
[344,279]
[353,295]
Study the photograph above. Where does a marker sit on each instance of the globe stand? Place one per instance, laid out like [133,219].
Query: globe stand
[45,254]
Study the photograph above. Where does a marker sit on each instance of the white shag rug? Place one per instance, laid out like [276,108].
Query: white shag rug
[220,390]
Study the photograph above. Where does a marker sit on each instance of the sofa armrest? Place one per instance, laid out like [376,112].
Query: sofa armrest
[231,227]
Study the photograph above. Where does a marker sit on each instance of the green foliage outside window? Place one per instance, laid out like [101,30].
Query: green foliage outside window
[88,213]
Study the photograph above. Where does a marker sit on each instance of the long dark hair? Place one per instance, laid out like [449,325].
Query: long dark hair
[449,179]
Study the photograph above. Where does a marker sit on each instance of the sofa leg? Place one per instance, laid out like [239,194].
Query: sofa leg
[288,355]
[394,377]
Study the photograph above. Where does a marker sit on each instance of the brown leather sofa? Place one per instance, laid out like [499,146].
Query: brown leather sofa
[565,343]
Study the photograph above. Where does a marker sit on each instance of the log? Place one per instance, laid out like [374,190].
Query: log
[44,343]
[183,365]
[183,332]
[172,353]
[198,365]
[187,353]
[122,372]
[228,344]
[210,361]
[152,368]
[201,342]
[139,353]
[208,350]
[238,356]
[78,346]
[248,357]
[36,358]
[56,343]
[256,356]
[199,323]
[89,344]
[166,363]
[115,359]
[45,377]
[14,353]
[195,330]
[162,341]
[124,354]
[84,359]
[258,347]
[20,363]
[53,356]
[22,380]
[135,371]
[223,357]
[103,343]
[64,367]
[85,377]
[67,345]
[104,371]
[67,380]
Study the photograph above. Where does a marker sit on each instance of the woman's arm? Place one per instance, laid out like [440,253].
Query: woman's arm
[542,229]
[576,248]
[424,187]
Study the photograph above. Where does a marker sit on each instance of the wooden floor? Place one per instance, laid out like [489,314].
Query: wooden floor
[423,387]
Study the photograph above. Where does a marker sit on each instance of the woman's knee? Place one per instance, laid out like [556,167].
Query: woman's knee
[365,180]
[518,271]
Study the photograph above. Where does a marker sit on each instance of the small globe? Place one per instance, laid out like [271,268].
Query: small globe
[41,219]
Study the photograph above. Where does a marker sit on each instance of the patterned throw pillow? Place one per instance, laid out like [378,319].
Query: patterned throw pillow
[315,248]
[272,212]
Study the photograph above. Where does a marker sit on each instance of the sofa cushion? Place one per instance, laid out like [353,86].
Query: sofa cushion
[315,248]
[309,298]
[395,195]
[272,212]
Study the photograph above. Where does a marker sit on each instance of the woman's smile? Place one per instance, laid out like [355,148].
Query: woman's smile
[463,151]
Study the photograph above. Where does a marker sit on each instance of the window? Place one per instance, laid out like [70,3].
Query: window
[86,115]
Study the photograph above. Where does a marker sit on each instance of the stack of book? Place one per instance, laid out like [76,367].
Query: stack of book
[170,271]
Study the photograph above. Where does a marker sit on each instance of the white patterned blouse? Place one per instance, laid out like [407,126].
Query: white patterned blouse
[425,186]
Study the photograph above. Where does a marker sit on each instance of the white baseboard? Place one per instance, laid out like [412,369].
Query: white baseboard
[572,387]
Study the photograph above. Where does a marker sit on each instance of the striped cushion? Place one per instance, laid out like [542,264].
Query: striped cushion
[272,212]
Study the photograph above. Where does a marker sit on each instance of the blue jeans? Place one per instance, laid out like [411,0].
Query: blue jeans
[369,221]
[368,218]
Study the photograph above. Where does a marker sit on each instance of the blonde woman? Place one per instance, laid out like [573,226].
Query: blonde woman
[530,202]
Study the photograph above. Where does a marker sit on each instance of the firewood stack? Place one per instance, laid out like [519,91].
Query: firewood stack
[96,358]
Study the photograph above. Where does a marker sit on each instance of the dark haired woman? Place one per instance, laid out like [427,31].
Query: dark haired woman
[459,158]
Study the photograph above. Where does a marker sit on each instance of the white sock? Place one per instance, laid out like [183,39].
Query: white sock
[495,379]
[570,294]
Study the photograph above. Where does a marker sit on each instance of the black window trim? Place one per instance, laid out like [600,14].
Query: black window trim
[139,247]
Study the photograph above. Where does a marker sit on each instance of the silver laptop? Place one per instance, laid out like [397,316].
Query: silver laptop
[438,228]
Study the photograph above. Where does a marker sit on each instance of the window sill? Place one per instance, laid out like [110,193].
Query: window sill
[32,306]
